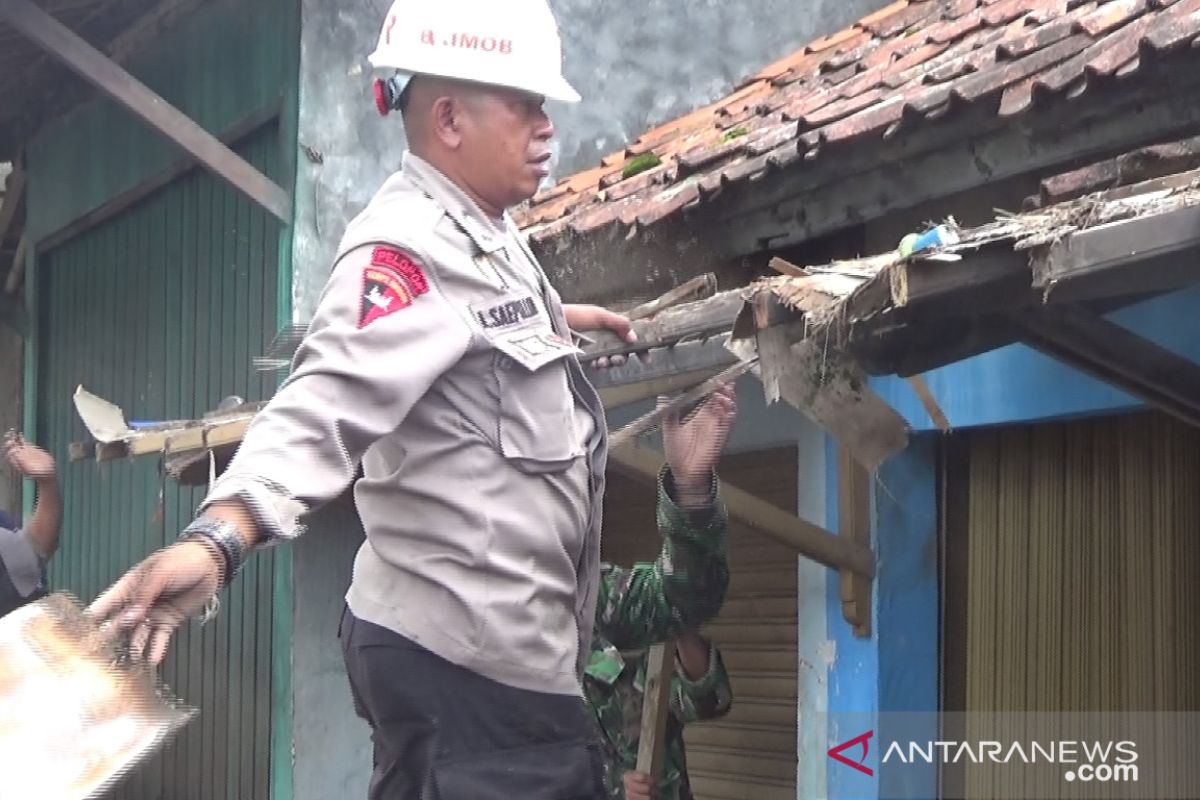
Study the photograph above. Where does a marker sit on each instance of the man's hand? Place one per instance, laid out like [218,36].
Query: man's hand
[693,447]
[154,597]
[27,459]
[596,318]
[638,786]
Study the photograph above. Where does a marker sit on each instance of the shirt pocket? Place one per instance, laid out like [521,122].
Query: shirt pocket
[537,429]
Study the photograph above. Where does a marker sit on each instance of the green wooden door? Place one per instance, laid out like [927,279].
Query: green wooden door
[160,309]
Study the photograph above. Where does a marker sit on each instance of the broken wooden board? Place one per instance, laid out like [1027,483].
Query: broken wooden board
[833,391]
[854,524]
[698,288]
[712,316]
[797,363]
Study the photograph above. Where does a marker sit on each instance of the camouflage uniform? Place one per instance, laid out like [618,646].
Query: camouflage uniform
[681,590]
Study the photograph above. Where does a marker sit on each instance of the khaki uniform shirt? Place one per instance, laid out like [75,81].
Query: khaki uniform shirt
[439,358]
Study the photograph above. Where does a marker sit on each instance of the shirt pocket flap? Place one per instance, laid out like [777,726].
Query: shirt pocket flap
[537,411]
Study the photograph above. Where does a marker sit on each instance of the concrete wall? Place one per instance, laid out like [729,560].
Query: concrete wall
[637,63]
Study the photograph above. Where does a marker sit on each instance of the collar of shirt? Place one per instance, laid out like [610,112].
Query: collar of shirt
[489,235]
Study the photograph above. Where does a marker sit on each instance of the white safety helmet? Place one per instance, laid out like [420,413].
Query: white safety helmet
[513,43]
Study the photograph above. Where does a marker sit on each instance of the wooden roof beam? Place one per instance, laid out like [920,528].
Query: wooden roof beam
[1133,256]
[93,66]
[1117,356]
[809,540]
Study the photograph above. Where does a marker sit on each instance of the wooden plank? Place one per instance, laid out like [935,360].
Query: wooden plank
[226,433]
[661,371]
[698,288]
[802,536]
[787,268]
[833,391]
[1116,355]
[1129,257]
[147,443]
[690,320]
[918,384]
[656,707]
[94,67]
[854,524]
[991,279]
[180,441]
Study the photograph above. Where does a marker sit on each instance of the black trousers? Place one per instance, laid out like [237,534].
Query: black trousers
[441,732]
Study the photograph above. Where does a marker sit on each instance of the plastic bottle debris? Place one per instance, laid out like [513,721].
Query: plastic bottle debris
[937,236]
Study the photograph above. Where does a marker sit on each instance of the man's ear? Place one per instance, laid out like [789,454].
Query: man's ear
[447,121]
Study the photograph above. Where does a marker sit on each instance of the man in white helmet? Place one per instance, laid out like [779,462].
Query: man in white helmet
[442,361]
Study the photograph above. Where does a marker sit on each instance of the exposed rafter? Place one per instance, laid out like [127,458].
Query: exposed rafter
[94,67]
[1117,356]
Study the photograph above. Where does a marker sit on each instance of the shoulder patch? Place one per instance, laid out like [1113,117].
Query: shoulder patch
[390,283]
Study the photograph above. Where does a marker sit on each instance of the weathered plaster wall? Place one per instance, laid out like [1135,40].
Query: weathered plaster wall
[637,63]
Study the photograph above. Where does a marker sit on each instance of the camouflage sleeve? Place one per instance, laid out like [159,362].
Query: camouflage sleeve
[708,697]
[681,590]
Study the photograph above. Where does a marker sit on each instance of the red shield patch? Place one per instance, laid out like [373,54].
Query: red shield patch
[389,284]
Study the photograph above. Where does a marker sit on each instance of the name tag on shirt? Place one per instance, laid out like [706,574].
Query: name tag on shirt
[510,311]
[517,326]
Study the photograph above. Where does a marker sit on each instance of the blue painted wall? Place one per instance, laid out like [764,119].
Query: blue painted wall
[896,670]
[854,675]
